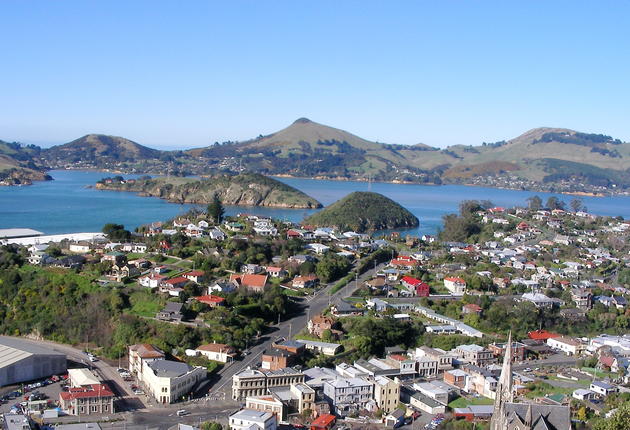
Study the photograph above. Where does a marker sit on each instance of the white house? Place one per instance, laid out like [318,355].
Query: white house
[565,344]
[457,286]
[318,248]
[602,388]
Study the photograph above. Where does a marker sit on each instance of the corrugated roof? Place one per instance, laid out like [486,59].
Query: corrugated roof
[13,350]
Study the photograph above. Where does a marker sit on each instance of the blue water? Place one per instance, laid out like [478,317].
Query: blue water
[65,205]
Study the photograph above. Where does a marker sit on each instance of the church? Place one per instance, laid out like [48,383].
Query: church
[509,415]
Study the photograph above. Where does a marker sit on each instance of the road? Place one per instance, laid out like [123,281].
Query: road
[313,305]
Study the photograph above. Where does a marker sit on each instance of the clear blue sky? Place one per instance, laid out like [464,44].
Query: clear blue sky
[186,74]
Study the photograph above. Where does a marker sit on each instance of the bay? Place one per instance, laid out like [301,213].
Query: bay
[66,205]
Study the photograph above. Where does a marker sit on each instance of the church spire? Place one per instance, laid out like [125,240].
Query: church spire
[504,388]
[528,416]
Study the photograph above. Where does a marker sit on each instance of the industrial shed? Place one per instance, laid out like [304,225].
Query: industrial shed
[22,361]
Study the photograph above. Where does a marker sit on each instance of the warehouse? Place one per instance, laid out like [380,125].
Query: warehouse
[22,361]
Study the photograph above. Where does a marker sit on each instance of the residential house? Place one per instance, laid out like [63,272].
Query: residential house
[307,281]
[415,286]
[171,312]
[217,352]
[603,388]
[566,344]
[276,272]
[457,286]
[255,283]
[152,280]
[211,300]
[320,323]
[196,276]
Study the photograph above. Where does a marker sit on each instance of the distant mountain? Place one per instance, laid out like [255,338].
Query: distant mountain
[309,149]
[248,189]
[362,212]
[98,149]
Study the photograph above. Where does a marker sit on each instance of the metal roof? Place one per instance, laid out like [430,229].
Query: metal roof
[13,350]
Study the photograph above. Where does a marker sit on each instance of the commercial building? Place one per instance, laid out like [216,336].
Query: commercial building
[140,354]
[168,381]
[22,361]
[251,382]
[475,354]
[347,395]
[386,393]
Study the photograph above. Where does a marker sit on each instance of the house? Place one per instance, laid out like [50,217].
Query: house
[276,359]
[251,269]
[565,344]
[582,298]
[471,308]
[416,286]
[177,282]
[583,394]
[196,276]
[307,281]
[325,348]
[541,301]
[171,312]
[345,309]
[211,300]
[404,263]
[323,422]
[276,272]
[602,388]
[457,378]
[457,286]
[152,280]
[318,248]
[216,234]
[318,324]
[217,352]
[254,283]
[87,400]
[122,272]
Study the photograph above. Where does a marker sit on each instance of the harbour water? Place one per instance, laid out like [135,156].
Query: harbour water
[66,205]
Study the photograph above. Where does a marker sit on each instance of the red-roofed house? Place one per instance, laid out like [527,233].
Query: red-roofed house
[255,283]
[87,400]
[275,272]
[211,300]
[177,282]
[323,422]
[457,286]
[496,210]
[522,226]
[404,262]
[471,308]
[152,280]
[541,335]
[308,281]
[196,276]
[416,286]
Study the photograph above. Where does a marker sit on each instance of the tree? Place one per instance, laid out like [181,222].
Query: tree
[534,203]
[211,425]
[116,232]
[618,421]
[555,203]
[216,210]
[576,205]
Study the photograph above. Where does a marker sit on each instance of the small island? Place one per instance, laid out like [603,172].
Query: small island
[246,189]
[363,212]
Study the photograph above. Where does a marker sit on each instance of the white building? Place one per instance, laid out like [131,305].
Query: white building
[457,286]
[565,344]
[348,394]
[248,419]
[169,381]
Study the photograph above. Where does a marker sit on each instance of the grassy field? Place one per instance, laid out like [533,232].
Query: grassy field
[144,303]
[462,402]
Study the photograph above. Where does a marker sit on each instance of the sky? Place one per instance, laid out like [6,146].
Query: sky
[187,74]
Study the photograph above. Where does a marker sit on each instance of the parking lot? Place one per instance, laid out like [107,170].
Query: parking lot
[44,393]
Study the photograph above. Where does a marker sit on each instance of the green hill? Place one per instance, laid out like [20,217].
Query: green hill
[364,211]
[248,189]
[19,164]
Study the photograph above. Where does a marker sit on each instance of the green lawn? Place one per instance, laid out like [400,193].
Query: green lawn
[135,255]
[599,373]
[144,303]
[462,402]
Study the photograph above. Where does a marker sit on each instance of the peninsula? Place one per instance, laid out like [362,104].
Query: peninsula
[247,189]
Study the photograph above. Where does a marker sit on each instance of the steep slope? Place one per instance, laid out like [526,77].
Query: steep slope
[99,148]
[244,189]
[364,211]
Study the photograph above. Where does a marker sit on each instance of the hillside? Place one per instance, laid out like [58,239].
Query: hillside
[244,189]
[99,150]
[18,164]
[364,211]
[309,149]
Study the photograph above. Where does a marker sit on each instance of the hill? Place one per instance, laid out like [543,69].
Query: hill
[98,150]
[245,189]
[309,149]
[18,164]
[364,211]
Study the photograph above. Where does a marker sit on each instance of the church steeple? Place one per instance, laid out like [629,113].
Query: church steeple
[504,388]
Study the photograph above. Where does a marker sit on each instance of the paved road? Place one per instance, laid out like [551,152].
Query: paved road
[313,305]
